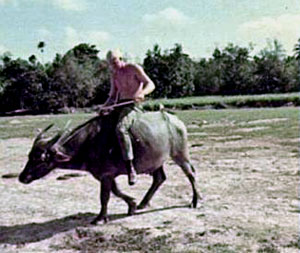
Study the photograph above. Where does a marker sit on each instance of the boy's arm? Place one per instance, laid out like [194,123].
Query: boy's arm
[113,94]
[147,86]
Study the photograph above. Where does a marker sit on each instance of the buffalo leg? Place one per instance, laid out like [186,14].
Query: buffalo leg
[158,178]
[129,200]
[189,171]
[106,186]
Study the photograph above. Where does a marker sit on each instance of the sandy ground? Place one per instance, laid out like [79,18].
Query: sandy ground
[250,204]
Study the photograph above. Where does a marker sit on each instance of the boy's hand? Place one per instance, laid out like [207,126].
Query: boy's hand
[103,110]
[139,99]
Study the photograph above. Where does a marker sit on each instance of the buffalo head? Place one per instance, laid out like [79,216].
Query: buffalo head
[42,158]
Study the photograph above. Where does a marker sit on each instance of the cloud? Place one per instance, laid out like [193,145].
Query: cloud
[9,2]
[68,5]
[98,36]
[48,37]
[72,5]
[5,1]
[166,27]
[44,33]
[285,28]
[168,16]
[3,49]
[74,37]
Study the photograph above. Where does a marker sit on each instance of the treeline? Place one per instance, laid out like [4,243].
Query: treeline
[81,79]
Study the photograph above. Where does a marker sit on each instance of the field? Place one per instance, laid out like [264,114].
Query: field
[225,102]
[247,164]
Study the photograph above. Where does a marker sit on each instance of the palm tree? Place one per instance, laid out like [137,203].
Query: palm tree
[41,46]
[297,50]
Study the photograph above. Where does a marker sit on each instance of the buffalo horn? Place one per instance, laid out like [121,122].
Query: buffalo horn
[43,131]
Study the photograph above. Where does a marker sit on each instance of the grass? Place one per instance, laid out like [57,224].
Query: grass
[226,121]
[279,123]
[129,240]
[27,126]
[223,102]
[247,169]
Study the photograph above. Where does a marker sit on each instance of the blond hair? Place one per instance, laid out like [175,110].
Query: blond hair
[113,54]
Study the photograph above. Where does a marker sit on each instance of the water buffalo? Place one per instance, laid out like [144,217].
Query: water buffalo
[93,147]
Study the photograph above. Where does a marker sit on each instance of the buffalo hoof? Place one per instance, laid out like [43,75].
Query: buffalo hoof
[132,178]
[193,205]
[196,198]
[131,210]
[142,206]
[102,218]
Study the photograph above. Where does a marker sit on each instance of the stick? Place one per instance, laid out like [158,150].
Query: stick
[117,105]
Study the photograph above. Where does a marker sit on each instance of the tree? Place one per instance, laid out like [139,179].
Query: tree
[292,69]
[228,72]
[292,74]
[76,76]
[170,71]
[181,73]
[41,45]
[269,73]
[156,66]
[79,78]
[206,81]
[22,85]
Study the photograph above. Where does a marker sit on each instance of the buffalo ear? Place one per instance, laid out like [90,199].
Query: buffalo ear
[60,156]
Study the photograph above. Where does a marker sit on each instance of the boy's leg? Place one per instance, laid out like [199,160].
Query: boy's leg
[132,178]
[122,131]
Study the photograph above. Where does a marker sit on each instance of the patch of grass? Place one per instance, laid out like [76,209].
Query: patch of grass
[86,240]
[227,122]
[27,126]
[233,138]
[190,238]
[239,149]
[268,248]
[221,248]
[294,243]
[215,231]
[225,102]
[270,239]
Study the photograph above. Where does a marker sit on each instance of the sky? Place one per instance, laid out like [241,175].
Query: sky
[134,26]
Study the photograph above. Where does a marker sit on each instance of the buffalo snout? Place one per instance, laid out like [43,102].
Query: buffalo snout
[25,179]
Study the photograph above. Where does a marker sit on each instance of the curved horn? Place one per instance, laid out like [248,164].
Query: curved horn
[61,135]
[43,131]
[67,124]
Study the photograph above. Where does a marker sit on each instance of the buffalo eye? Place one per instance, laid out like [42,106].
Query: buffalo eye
[43,157]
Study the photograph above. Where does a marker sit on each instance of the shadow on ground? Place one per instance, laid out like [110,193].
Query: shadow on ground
[35,232]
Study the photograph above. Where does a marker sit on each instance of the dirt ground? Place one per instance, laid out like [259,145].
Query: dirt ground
[250,190]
